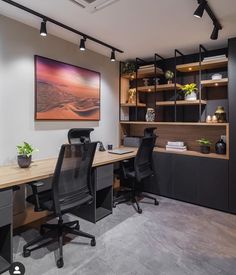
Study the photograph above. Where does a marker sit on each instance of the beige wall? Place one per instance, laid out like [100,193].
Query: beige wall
[18,45]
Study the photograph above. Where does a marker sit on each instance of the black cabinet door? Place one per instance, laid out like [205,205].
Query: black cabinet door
[160,184]
[213,185]
[185,170]
[162,163]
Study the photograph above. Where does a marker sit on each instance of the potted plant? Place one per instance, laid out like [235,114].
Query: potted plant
[169,75]
[129,68]
[205,145]
[25,152]
[190,91]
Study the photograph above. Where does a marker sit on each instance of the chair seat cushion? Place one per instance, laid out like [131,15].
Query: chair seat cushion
[46,201]
[130,174]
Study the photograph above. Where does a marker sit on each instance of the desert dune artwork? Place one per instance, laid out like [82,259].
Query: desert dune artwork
[65,92]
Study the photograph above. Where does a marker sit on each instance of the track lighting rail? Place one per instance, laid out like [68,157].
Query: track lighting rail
[48,19]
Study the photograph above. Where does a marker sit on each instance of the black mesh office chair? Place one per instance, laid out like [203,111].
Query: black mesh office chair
[71,188]
[79,135]
[149,132]
[137,173]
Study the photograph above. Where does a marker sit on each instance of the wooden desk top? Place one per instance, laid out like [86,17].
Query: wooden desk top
[12,175]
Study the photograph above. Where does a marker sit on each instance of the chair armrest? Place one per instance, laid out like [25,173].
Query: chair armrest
[35,185]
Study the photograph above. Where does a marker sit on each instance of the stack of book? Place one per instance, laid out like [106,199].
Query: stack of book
[215,58]
[177,146]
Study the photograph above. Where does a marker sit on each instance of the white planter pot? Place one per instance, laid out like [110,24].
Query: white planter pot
[192,96]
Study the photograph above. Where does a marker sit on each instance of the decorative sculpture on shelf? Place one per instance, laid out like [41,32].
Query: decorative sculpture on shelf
[150,115]
[132,96]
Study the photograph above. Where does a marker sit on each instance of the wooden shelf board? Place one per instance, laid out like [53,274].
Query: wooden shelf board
[176,123]
[192,67]
[192,153]
[215,83]
[133,105]
[142,73]
[181,102]
[159,88]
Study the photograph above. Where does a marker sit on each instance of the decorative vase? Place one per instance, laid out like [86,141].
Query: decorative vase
[145,82]
[214,119]
[205,149]
[208,119]
[220,114]
[150,115]
[24,161]
[192,96]
[220,147]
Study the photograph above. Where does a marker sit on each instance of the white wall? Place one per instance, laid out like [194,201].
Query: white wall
[18,45]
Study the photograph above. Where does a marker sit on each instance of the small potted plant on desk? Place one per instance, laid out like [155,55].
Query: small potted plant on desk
[25,152]
[205,145]
[190,91]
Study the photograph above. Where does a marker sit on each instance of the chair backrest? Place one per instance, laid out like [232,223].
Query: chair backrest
[149,132]
[71,184]
[143,160]
[79,135]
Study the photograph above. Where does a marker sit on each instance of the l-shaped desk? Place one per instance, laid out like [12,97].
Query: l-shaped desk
[12,175]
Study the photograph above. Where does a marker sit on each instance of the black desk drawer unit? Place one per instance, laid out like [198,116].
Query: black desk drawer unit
[102,204]
[5,230]
[103,176]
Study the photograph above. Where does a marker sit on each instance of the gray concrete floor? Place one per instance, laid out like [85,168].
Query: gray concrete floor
[174,238]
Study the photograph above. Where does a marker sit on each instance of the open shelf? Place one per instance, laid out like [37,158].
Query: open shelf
[102,212]
[140,105]
[176,123]
[145,72]
[191,67]
[214,83]
[192,153]
[4,265]
[181,102]
[159,88]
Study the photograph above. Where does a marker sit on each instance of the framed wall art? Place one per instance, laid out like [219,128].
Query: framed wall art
[65,92]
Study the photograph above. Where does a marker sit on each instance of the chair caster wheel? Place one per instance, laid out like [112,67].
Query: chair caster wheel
[156,202]
[60,263]
[26,253]
[140,211]
[114,205]
[93,242]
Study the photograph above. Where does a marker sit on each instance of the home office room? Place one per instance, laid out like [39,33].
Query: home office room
[117,137]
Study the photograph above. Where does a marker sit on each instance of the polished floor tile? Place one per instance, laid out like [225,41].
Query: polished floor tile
[174,238]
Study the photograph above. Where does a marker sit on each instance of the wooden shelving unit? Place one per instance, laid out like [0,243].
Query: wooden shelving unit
[187,132]
[142,73]
[214,83]
[191,67]
[181,103]
[159,88]
[140,105]
[177,123]
[192,153]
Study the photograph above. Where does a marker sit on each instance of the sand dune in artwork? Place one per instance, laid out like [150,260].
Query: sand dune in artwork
[54,103]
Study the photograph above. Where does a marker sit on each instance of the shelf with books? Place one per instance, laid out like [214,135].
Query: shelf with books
[195,66]
[214,82]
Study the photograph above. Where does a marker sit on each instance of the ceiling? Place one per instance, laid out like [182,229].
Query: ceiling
[138,27]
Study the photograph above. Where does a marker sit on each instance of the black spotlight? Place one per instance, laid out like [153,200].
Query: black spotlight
[82,44]
[113,56]
[200,10]
[215,32]
[43,28]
